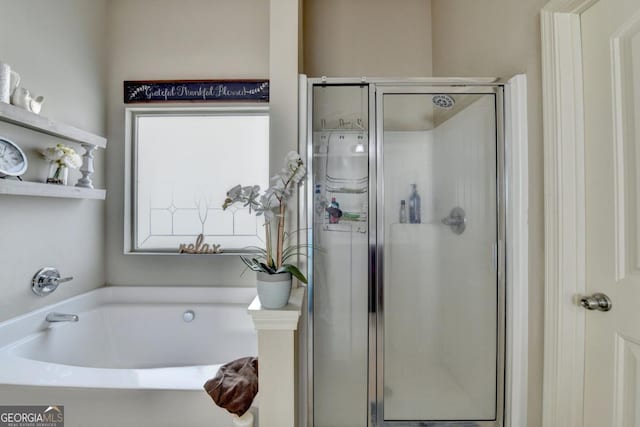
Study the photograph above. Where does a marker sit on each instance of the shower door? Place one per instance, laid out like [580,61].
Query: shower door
[438,233]
[406,291]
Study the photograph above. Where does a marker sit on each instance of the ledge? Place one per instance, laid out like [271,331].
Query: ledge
[21,117]
[285,318]
[39,189]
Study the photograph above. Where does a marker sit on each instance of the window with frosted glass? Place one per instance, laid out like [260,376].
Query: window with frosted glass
[184,162]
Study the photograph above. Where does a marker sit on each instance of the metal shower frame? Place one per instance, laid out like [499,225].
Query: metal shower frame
[377,88]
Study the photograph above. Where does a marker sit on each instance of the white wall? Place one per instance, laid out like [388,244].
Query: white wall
[59,50]
[357,38]
[501,38]
[166,39]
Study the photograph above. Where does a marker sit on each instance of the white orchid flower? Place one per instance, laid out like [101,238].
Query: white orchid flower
[250,195]
[293,159]
[235,192]
[273,199]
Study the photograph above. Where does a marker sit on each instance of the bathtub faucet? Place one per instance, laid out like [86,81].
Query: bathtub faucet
[61,317]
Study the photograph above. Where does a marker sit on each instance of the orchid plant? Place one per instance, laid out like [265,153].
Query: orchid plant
[273,199]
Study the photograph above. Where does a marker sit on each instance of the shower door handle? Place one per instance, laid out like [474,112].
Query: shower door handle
[372,295]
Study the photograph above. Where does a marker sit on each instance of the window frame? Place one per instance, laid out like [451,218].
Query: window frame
[130,190]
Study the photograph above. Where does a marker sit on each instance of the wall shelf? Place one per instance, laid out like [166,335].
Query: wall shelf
[89,141]
[39,189]
[27,119]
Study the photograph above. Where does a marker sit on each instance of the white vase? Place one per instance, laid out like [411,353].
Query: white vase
[9,81]
[274,289]
[5,82]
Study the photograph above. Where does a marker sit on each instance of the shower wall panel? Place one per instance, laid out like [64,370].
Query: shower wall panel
[411,277]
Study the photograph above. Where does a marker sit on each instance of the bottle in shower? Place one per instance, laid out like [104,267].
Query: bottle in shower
[403,212]
[414,205]
[318,203]
[334,211]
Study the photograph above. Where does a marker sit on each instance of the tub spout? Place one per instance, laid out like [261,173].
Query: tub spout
[62,317]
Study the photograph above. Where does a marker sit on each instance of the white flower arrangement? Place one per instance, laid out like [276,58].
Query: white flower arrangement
[274,198]
[62,157]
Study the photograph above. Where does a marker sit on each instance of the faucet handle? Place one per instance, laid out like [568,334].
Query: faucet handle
[46,280]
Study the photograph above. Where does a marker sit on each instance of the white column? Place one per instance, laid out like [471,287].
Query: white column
[284,59]
[277,360]
[276,328]
[87,166]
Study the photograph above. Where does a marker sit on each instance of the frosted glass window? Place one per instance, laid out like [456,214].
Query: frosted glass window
[184,163]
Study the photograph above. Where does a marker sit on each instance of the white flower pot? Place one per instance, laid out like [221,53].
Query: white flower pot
[274,289]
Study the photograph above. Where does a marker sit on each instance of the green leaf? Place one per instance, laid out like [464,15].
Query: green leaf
[247,261]
[271,263]
[292,254]
[266,268]
[258,249]
[293,248]
[250,264]
[290,268]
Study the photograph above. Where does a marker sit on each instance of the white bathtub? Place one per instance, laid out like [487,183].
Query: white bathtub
[130,338]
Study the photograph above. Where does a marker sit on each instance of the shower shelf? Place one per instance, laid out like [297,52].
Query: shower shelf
[348,191]
[407,224]
[359,226]
[341,156]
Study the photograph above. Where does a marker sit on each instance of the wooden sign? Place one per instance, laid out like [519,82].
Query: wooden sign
[199,247]
[195,90]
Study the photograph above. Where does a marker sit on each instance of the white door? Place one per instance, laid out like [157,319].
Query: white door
[611,60]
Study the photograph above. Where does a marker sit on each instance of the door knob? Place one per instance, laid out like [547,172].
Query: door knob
[597,301]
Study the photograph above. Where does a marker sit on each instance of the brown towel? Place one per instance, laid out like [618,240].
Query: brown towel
[235,385]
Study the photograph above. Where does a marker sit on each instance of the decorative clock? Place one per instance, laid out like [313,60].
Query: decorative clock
[13,162]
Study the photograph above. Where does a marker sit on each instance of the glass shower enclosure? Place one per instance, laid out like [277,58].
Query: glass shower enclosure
[407,291]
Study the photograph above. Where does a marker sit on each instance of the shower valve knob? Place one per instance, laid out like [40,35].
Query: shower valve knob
[457,220]
[46,280]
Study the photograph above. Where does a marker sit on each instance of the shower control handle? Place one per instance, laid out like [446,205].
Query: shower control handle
[452,221]
[598,301]
[457,220]
[46,280]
